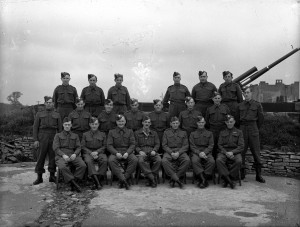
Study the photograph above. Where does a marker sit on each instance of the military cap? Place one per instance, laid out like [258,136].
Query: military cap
[117,75]
[119,117]
[228,117]
[226,72]
[202,72]
[176,74]
[155,101]
[91,75]
[133,101]
[107,101]
[66,119]
[200,118]
[77,100]
[215,94]
[93,120]
[145,118]
[46,98]
[188,98]
[174,119]
[63,74]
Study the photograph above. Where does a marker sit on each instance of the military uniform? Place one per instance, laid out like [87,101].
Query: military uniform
[188,120]
[202,140]
[215,121]
[67,143]
[134,119]
[107,121]
[230,140]
[93,98]
[148,142]
[120,97]
[80,122]
[231,94]
[250,118]
[64,97]
[121,141]
[46,124]
[176,95]
[202,93]
[94,141]
[175,141]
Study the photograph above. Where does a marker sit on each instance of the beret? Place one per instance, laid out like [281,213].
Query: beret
[91,75]
[176,74]
[77,100]
[146,117]
[66,119]
[200,118]
[117,75]
[119,117]
[174,119]
[63,74]
[93,120]
[133,101]
[46,98]
[107,101]
[188,98]
[228,117]
[202,72]
[226,72]
[155,101]
[216,93]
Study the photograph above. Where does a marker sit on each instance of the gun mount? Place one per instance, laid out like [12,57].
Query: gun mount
[252,74]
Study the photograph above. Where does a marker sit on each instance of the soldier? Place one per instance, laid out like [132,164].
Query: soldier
[188,117]
[215,118]
[67,149]
[231,93]
[147,145]
[119,95]
[93,148]
[107,118]
[64,96]
[231,144]
[175,160]
[250,118]
[203,92]
[202,143]
[159,120]
[176,95]
[121,144]
[93,97]
[134,117]
[46,124]
[80,118]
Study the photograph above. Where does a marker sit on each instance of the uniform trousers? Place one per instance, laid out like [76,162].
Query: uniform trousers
[232,105]
[201,165]
[90,162]
[235,163]
[176,168]
[120,109]
[202,107]
[45,138]
[114,164]
[176,108]
[64,110]
[216,132]
[145,161]
[64,166]
[94,110]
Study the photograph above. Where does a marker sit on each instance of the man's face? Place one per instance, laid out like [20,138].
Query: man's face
[65,80]
[217,99]
[49,104]
[201,123]
[230,123]
[108,107]
[121,123]
[93,81]
[119,81]
[80,105]
[247,94]
[94,126]
[134,106]
[146,123]
[158,106]
[228,78]
[67,126]
[177,79]
[175,124]
[190,104]
[203,78]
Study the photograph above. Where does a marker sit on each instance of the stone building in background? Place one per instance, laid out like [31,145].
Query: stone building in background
[278,92]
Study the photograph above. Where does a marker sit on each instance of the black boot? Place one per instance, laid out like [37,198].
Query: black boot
[75,186]
[152,181]
[52,177]
[243,173]
[97,183]
[121,184]
[179,184]
[204,182]
[229,181]
[126,185]
[39,179]
[258,175]
[172,183]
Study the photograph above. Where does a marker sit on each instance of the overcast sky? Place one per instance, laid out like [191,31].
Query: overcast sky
[145,40]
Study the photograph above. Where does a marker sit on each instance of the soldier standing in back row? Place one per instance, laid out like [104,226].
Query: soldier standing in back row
[176,95]
[93,96]
[64,96]
[250,119]
[231,93]
[119,95]
[134,116]
[46,124]
[203,92]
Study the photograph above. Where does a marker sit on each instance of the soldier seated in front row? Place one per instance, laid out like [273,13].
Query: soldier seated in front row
[93,151]
[121,144]
[66,146]
[230,144]
[201,144]
[147,146]
[175,160]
